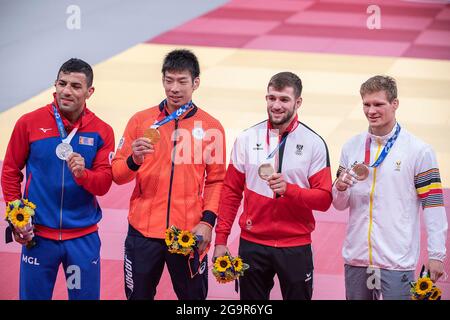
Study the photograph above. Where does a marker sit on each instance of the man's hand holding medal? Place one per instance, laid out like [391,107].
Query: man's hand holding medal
[144,145]
[76,164]
[360,171]
[141,147]
[274,180]
[349,177]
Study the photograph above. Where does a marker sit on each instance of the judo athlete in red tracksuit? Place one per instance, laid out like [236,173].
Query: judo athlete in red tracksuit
[67,211]
[277,218]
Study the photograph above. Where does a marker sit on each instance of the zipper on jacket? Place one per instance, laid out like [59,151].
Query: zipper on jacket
[62,201]
[172,173]
[276,196]
[369,237]
[280,158]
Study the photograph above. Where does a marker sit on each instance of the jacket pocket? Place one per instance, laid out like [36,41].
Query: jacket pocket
[245,221]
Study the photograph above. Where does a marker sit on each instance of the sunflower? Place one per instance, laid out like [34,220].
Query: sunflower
[19,217]
[222,263]
[237,264]
[29,204]
[224,279]
[169,237]
[186,239]
[10,206]
[222,276]
[435,293]
[423,286]
[28,210]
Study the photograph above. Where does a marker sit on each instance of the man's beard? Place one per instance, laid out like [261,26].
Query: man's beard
[287,117]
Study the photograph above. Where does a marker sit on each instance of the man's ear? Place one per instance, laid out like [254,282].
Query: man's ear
[196,83]
[90,92]
[395,103]
[298,102]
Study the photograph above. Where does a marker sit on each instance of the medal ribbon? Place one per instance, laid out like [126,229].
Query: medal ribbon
[294,126]
[174,115]
[270,156]
[385,151]
[62,132]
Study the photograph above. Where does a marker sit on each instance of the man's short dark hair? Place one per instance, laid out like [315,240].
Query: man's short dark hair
[286,79]
[180,60]
[78,65]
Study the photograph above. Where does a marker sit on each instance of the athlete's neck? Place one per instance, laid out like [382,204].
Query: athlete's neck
[384,130]
[72,116]
[283,126]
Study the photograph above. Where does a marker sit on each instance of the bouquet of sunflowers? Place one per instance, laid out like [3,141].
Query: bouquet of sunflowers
[424,288]
[227,268]
[19,214]
[181,241]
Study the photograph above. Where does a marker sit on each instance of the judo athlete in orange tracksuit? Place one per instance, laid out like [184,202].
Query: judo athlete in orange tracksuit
[182,191]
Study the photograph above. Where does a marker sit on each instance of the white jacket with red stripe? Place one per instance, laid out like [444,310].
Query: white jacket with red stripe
[384,223]
[269,219]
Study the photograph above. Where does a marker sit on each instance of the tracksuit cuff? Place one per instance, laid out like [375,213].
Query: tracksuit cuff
[436,256]
[291,190]
[209,217]
[294,192]
[81,179]
[131,164]
[221,239]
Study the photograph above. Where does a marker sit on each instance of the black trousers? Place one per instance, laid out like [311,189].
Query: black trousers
[144,263]
[292,265]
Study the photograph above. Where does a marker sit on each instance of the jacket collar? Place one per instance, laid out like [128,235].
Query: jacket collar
[291,127]
[382,139]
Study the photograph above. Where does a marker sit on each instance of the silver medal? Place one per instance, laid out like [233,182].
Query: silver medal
[63,150]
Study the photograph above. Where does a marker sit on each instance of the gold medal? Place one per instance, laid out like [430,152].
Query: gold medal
[153,135]
[361,171]
[265,171]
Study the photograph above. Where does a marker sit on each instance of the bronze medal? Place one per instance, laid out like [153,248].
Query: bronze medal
[361,171]
[153,135]
[265,171]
